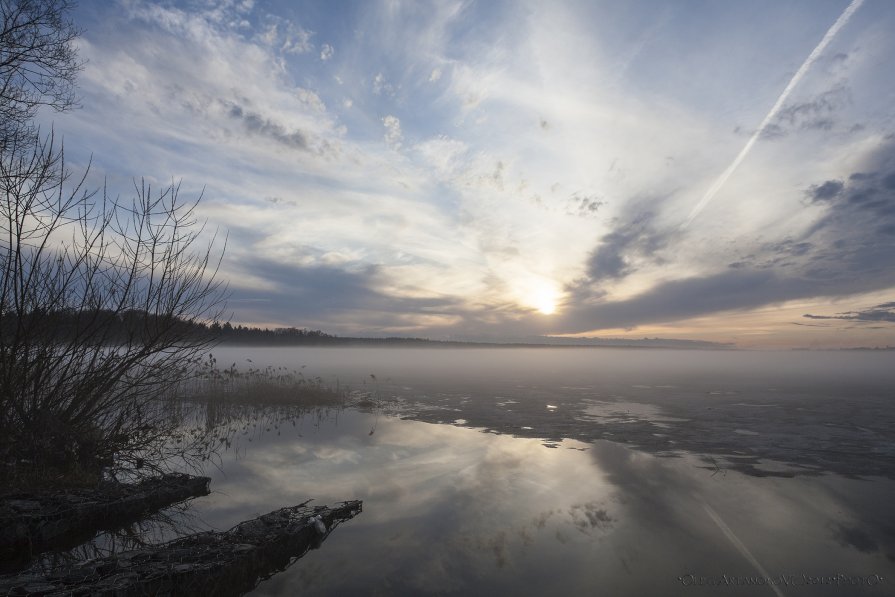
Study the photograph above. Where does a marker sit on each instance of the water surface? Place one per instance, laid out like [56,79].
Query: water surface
[575,471]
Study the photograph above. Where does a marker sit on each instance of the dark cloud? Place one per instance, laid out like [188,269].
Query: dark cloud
[355,299]
[256,124]
[889,181]
[860,206]
[681,299]
[727,291]
[826,191]
[883,312]
[786,253]
[635,237]
[584,205]
[816,114]
[849,250]
[838,59]
[497,176]
[281,201]
[326,295]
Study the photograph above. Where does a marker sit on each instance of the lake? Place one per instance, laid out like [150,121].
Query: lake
[533,471]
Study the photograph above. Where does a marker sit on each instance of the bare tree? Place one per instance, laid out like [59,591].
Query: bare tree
[103,302]
[38,63]
[103,305]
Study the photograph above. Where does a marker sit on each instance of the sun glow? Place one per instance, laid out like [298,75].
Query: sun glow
[545,302]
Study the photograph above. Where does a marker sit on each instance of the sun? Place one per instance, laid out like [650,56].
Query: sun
[538,294]
[545,302]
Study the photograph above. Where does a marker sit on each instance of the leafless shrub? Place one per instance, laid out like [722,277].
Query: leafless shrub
[102,306]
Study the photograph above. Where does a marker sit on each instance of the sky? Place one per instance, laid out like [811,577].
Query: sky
[719,171]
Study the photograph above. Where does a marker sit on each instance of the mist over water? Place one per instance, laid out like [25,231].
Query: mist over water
[566,366]
[818,411]
[565,471]
[648,472]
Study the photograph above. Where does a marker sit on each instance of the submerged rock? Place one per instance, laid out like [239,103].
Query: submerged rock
[33,523]
[210,563]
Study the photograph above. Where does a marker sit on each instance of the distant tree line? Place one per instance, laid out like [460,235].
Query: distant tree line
[134,325]
[240,334]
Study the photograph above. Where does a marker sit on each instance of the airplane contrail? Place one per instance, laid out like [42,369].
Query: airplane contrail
[740,546]
[812,58]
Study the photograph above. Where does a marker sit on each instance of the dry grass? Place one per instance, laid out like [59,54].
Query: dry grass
[270,386]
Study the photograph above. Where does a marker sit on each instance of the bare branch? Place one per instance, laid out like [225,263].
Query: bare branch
[38,64]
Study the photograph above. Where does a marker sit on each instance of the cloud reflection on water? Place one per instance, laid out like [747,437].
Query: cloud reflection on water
[453,510]
[450,509]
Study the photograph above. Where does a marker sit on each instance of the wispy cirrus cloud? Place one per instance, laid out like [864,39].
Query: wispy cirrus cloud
[476,163]
[776,108]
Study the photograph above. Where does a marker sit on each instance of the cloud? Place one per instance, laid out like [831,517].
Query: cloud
[889,181]
[515,172]
[136,70]
[680,299]
[635,237]
[815,114]
[732,290]
[381,85]
[258,125]
[444,156]
[775,109]
[846,251]
[584,206]
[860,211]
[339,296]
[826,191]
[393,135]
[286,36]
[884,312]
